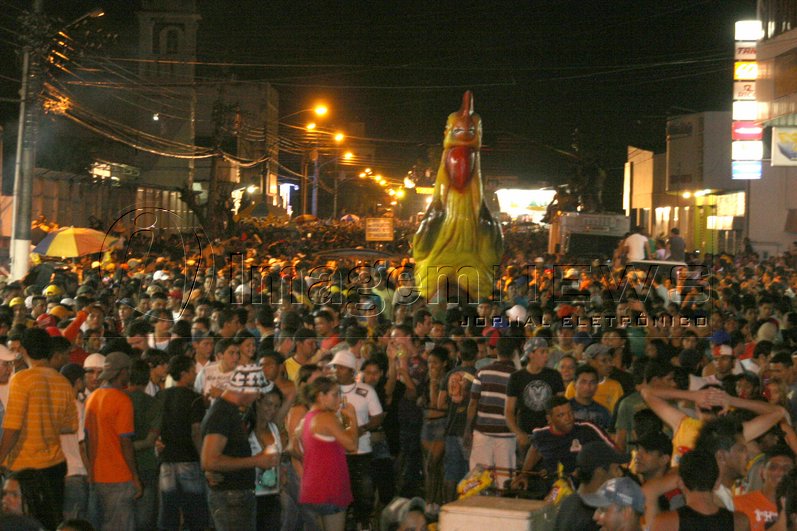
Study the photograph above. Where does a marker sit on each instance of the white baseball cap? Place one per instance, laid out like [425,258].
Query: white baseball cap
[6,354]
[94,361]
[344,358]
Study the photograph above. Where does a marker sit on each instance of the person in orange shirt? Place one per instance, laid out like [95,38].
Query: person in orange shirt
[759,505]
[109,432]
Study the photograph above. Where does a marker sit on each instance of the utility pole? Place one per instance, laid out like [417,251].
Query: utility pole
[25,163]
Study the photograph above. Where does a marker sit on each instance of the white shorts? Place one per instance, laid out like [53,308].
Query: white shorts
[496,453]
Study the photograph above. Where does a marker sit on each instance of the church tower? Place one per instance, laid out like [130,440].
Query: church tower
[167,32]
[167,50]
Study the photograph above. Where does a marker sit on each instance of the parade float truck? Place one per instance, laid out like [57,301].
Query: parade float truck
[593,235]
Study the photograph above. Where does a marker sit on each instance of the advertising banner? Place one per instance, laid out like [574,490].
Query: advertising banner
[784,146]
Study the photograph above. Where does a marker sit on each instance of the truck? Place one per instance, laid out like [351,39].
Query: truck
[581,234]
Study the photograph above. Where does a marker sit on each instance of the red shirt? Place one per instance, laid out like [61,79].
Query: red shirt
[328,342]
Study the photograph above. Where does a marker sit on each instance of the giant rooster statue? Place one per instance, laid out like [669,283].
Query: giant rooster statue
[458,242]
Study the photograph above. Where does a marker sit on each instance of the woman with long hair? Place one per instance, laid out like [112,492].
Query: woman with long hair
[296,517]
[434,426]
[265,435]
[326,437]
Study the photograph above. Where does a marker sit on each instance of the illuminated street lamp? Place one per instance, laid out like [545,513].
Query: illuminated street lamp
[319,110]
[339,137]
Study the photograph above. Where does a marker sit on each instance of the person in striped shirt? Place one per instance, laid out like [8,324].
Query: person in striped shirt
[492,443]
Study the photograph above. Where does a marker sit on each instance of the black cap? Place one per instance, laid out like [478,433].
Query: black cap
[689,358]
[598,454]
[72,372]
[655,441]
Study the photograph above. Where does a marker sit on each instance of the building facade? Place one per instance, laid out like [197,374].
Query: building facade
[689,186]
[773,198]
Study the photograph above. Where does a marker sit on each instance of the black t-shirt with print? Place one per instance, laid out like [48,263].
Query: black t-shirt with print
[533,391]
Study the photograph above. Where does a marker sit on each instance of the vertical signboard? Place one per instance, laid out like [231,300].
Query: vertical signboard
[747,149]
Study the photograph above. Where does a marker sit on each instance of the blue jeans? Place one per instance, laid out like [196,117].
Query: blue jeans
[382,471]
[76,497]
[295,517]
[182,489]
[455,460]
[410,459]
[115,506]
[233,510]
[145,508]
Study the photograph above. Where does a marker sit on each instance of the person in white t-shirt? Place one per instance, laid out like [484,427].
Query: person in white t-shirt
[76,484]
[214,376]
[369,417]
[636,245]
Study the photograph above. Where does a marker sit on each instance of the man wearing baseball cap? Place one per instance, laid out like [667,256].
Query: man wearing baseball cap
[723,366]
[226,452]
[596,463]
[109,445]
[619,505]
[93,365]
[653,454]
[529,391]
[369,417]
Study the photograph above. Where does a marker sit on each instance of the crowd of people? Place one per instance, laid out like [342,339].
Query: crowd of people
[177,391]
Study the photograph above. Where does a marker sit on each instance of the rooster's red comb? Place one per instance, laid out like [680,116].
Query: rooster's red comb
[467,104]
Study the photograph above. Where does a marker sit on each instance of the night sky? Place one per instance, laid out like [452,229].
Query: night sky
[613,69]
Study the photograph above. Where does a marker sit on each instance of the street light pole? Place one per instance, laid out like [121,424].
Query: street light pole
[303,187]
[25,163]
[314,200]
[335,199]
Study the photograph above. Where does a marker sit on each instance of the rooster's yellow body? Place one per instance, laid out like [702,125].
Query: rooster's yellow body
[458,243]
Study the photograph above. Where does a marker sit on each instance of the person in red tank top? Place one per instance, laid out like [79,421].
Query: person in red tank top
[325,487]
